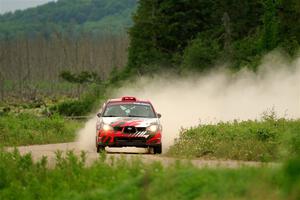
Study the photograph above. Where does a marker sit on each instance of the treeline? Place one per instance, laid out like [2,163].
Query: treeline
[94,16]
[196,35]
[31,66]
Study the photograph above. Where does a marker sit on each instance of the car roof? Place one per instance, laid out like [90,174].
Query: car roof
[127,99]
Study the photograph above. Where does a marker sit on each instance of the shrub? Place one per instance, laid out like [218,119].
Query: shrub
[25,129]
[267,140]
[74,108]
[90,101]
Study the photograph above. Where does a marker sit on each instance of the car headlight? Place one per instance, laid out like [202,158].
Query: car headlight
[106,127]
[152,128]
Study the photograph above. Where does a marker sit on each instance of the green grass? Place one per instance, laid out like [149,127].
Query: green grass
[270,139]
[27,129]
[20,178]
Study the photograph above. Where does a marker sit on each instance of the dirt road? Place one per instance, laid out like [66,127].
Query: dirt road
[38,151]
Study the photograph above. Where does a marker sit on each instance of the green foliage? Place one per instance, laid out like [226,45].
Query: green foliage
[68,16]
[248,51]
[74,107]
[90,99]
[289,29]
[69,179]
[26,129]
[270,25]
[80,78]
[291,177]
[204,32]
[83,106]
[163,28]
[116,76]
[201,54]
[268,140]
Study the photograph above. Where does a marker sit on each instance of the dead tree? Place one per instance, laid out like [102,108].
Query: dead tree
[227,34]
[1,87]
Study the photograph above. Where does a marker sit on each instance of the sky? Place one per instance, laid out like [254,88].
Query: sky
[12,5]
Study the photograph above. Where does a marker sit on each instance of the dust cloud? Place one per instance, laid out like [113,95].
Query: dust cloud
[216,96]
[87,135]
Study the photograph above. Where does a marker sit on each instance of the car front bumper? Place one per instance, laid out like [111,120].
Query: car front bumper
[128,140]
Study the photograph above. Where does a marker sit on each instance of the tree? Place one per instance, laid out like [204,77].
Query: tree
[270,37]
[289,28]
[201,54]
[163,29]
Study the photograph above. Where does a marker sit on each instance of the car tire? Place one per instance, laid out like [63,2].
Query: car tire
[100,149]
[157,149]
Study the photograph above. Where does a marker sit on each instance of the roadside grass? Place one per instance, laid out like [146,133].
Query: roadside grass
[21,178]
[28,129]
[269,139]
[25,123]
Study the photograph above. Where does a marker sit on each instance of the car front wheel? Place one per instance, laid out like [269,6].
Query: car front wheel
[100,149]
[157,149]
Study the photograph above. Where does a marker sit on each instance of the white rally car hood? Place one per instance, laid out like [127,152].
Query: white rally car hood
[129,121]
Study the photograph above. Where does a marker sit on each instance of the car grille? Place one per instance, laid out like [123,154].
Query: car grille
[133,139]
[139,129]
[130,129]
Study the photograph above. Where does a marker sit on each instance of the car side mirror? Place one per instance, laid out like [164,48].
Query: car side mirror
[99,114]
[158,115]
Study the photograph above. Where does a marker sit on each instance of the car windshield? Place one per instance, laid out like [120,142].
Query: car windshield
[129,110]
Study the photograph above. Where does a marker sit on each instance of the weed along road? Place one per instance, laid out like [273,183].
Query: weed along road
[50,151]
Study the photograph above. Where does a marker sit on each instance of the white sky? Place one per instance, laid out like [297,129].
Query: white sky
[12,5]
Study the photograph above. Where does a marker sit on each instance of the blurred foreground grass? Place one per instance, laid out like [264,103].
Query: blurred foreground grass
[20,178]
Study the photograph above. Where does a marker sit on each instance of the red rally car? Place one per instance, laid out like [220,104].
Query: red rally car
[128,121]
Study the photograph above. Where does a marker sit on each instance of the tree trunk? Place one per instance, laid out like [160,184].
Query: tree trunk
[1,87]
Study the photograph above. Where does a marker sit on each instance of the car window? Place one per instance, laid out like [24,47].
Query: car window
[129,110]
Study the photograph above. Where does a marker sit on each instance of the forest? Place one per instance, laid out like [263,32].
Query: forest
[196,35]
[69,17]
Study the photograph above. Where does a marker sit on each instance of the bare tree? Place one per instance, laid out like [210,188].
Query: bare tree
[227,34]
[27,63]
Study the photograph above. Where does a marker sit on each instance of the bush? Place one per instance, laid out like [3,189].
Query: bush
[27,129]
[90,101]
[74,108]
[267,140]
